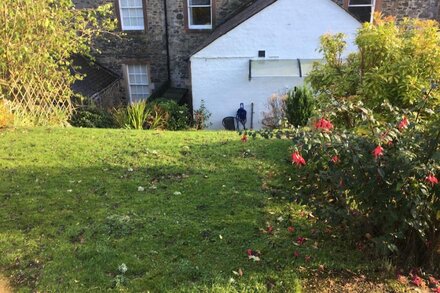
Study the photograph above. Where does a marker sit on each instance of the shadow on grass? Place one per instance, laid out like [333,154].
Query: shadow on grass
[180,218]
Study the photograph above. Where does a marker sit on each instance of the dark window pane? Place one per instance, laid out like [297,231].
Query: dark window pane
[201,16]
[363,14]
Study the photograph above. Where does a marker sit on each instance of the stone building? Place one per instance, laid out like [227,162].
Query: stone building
[159,36]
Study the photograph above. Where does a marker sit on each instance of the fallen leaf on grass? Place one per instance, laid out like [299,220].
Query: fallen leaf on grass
[238,273]
[254,258]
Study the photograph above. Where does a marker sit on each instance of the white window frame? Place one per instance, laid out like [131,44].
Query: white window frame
[198,27]
[130,84]
[131,28]
[372,5]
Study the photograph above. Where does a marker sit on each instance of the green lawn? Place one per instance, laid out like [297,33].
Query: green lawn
[72,210]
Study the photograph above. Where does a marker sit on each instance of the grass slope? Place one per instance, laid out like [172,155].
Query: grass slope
[72,211]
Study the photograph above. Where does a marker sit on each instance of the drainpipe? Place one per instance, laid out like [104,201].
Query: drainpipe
[167,40]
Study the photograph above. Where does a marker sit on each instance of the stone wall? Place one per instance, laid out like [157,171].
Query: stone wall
[412,8]
[408,8]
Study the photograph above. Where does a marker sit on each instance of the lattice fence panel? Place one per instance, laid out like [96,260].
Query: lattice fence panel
[36,99]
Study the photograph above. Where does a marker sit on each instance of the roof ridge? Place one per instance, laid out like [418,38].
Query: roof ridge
[249,11]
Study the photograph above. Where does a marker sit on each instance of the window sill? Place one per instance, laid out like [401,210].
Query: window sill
[199,30]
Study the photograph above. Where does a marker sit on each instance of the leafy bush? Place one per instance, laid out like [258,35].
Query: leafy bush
[160,114]
[137,115]
[395,62]
[134,116]
[6,117]
[299,106]
[158,118]
[201,117]
[177,117]
[91,117]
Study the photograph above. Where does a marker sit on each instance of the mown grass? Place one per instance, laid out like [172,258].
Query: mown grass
[72,210]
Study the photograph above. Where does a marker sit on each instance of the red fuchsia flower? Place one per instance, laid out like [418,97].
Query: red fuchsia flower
[378,151]
[403,124]
[244,138]
[431,179]
[269,229]
[433,281]
[291,229]
[296,253]
[249,252]
[416,280]
[297,159]
[436,290]
[300,240]
[336,159]
[324,125]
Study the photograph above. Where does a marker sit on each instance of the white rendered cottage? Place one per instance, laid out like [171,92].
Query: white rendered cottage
[267,48]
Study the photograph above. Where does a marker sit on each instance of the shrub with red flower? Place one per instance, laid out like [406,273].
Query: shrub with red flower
[378,152]
[324,125]
[297,159]
[336,159]
[431,179]
[244,138]
[403,124]
[291,229]
[417,281]
[382,192]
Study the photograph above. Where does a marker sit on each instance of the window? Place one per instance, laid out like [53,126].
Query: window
[199,14]
[132,15]
[138,82]
[274,68]
[362,9]
[281,67]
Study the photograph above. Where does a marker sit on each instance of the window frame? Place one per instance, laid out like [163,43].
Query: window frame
[189,16]
[130,84]
[372,5]
[122,26]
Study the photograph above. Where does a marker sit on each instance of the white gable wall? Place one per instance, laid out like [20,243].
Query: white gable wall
[288,29]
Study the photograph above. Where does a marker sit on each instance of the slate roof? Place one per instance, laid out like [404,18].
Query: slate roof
[96,79]
[235,21]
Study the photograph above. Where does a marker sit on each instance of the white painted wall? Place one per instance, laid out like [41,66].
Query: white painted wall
[288,29]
